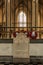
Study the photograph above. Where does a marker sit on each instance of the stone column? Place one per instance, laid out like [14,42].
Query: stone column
[8,13]
[5,7]
[8,16]
[33,13]
[5,18]
[37,14]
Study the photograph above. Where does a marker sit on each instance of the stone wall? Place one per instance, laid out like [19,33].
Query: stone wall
[7,49]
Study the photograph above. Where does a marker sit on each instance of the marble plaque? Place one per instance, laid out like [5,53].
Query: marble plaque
[21,46]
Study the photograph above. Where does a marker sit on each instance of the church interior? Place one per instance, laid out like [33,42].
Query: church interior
[25,15]
[21,31]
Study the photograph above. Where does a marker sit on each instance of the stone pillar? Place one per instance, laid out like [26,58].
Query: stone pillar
[8,16]
[33,13]
[8,13]
[35,22]
[5,7]
[37,14]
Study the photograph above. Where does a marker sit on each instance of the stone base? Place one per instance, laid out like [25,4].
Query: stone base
[21,60]
[36,59]
[6,59]
[32,59]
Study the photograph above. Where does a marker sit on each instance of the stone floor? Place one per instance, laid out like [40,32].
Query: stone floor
[21,64]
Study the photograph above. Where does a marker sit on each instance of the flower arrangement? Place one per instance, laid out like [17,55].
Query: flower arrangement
[30,34]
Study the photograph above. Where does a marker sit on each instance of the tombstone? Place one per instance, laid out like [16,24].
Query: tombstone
[21,48]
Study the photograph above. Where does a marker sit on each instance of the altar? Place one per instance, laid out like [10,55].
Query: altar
[21,48]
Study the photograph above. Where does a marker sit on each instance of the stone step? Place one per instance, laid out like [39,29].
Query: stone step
[19,64]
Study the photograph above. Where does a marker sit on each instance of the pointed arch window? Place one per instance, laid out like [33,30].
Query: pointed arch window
[22,19]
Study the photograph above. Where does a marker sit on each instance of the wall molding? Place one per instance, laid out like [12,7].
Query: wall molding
[6,41]
[32,41]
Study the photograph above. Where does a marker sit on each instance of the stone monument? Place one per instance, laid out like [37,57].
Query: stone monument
[21,48]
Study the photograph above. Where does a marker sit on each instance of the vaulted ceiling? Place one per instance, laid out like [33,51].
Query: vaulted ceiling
[2,2]
[18,2]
